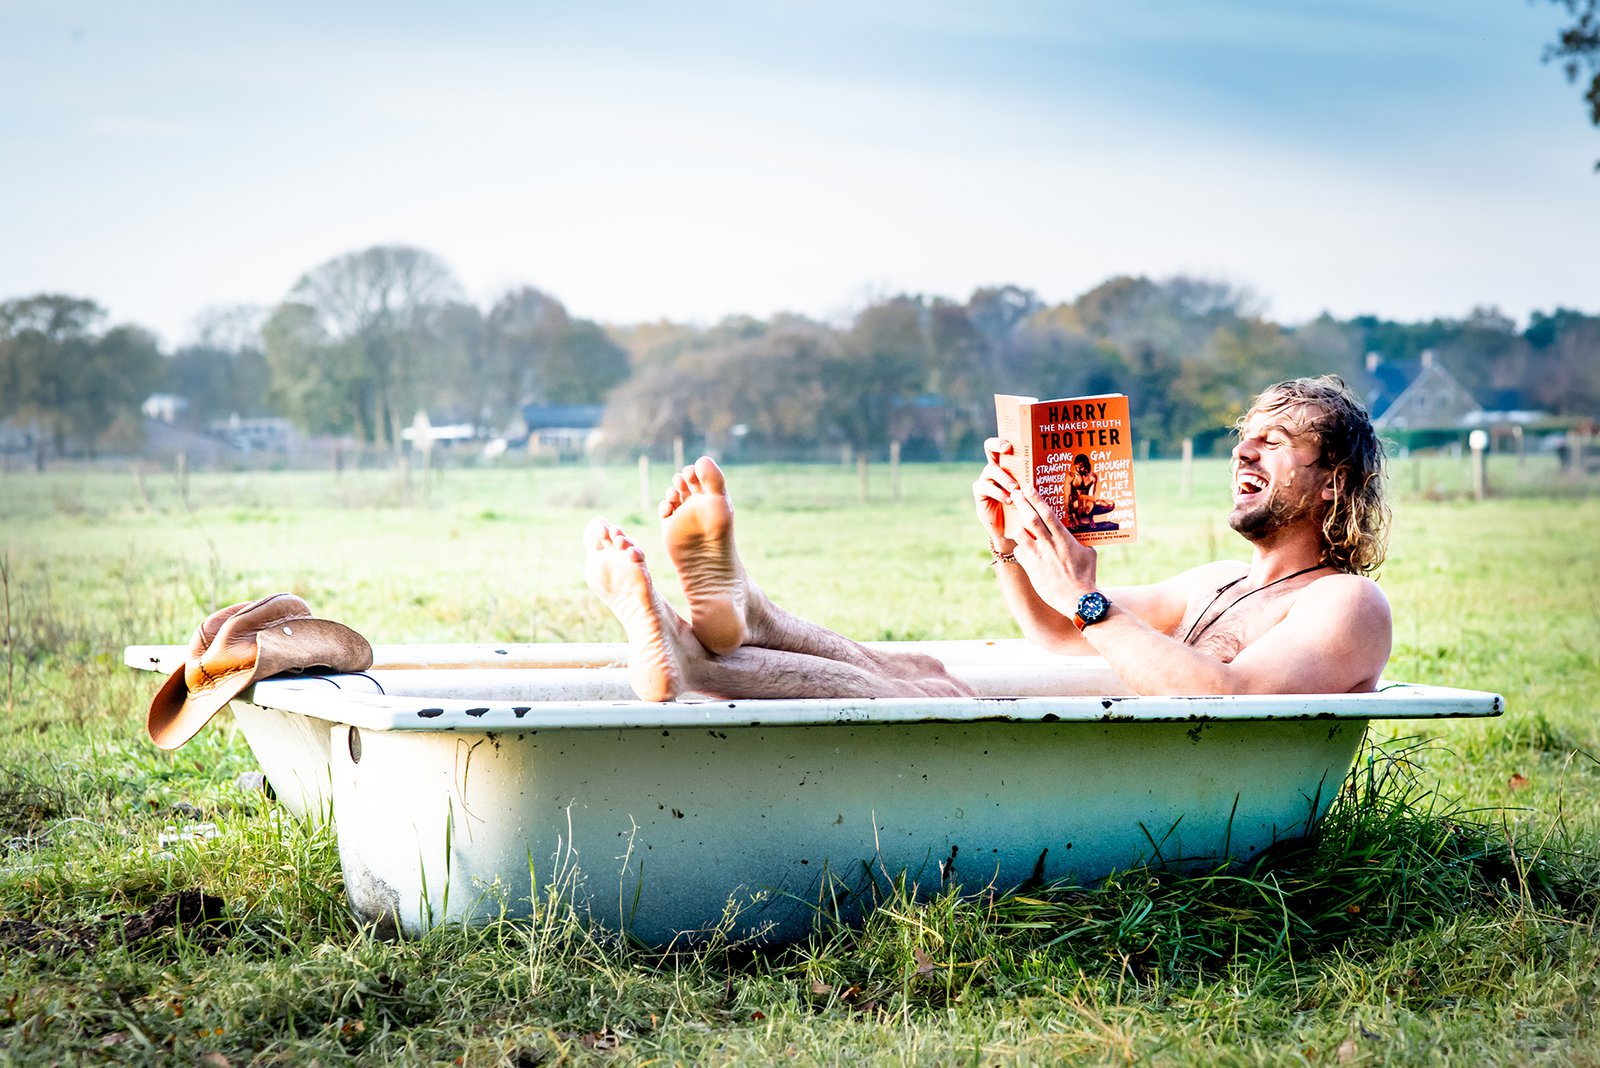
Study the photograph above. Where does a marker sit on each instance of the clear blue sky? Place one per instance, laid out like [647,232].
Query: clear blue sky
[639,160]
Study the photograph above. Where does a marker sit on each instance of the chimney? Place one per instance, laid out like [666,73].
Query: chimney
[1427,357]
[1373,360]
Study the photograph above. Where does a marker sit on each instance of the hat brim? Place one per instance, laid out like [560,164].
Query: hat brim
[177,713]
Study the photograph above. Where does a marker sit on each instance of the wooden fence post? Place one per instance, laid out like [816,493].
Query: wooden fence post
[1479,442]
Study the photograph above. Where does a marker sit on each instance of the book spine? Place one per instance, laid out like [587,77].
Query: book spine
[1009,417]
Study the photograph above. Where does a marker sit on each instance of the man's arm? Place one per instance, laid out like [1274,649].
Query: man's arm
[1334,639]
[1161,605]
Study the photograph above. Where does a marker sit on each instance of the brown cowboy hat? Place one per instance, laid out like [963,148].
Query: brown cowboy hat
[239,644]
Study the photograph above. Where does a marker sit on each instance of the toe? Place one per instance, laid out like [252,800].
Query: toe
[709,475]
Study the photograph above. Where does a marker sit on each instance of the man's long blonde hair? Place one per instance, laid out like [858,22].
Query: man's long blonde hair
[1355,530]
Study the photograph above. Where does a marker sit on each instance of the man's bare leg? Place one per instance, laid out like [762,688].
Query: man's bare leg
[614,568]
[665,659]
[697,524]
[727,609]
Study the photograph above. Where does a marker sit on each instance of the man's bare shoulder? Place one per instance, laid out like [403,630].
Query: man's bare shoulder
[1335,638]
[1348,593]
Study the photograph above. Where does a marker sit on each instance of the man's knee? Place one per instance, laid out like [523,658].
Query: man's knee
[923,666]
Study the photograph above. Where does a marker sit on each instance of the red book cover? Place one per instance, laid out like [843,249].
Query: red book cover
[1076,453]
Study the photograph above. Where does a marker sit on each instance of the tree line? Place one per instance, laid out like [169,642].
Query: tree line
[367,339]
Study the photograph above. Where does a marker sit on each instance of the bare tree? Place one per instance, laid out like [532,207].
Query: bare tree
[382,307]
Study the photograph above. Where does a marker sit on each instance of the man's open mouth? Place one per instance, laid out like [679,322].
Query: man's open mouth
[1248,483]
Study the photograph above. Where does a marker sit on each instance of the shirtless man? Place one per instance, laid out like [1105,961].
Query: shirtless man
[1300,617]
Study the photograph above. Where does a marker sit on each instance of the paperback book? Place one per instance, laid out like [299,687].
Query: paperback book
[1076,453]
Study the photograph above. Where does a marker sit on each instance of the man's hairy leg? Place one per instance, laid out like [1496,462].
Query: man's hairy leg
[727,610]
[665,659]
[751,671]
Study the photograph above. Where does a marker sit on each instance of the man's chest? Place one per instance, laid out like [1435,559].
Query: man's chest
[1224,625]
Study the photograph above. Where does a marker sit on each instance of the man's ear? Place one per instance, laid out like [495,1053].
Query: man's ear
[1335,484]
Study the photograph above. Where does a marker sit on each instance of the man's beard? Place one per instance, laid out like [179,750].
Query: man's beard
[1261,522]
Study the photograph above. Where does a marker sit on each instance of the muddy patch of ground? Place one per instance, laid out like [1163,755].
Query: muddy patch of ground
[194,910]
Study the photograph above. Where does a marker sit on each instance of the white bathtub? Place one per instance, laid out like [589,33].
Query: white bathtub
[463,791]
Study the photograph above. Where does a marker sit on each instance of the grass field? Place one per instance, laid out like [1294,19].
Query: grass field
[1444,915]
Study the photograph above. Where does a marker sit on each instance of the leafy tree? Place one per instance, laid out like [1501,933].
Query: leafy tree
[1167,334]
[585,366]
[520,332]
[1485,352]
[57,371]
[1543,329]
[959,365]
[1392,340]
[1577,47]
[1564,361]
[771,383]
[536,351]
[878,368]
[363,328]
[456,379]
[996,312]
[1329,346]
[225,370]
[1216,383]
[121,368]
[317,379]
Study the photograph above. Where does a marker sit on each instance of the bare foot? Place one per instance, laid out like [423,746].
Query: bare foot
[697,526]
[615,570]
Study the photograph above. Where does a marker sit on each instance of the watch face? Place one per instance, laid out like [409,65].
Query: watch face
[1093,606]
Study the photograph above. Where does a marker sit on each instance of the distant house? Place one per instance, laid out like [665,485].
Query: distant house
[165,407]
[562,431]
[261,434]
[425,434]
[1420,403]
[1418,395]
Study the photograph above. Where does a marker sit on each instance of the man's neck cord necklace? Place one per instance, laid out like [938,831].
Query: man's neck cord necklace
[1190,637]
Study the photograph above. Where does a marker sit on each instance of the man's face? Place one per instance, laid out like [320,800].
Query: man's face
[1277,480]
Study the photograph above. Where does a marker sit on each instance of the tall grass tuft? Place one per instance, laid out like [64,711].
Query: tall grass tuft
[1392,860]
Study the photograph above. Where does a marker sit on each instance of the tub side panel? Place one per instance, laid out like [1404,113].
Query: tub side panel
[655,831]
[293,752]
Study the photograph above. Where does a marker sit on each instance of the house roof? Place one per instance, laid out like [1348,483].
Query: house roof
[554,416]
[1432,400]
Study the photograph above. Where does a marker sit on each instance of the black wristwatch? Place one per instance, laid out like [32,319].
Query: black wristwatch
[1092,608]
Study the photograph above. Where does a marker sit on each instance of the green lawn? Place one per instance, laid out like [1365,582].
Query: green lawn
[1446,914]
